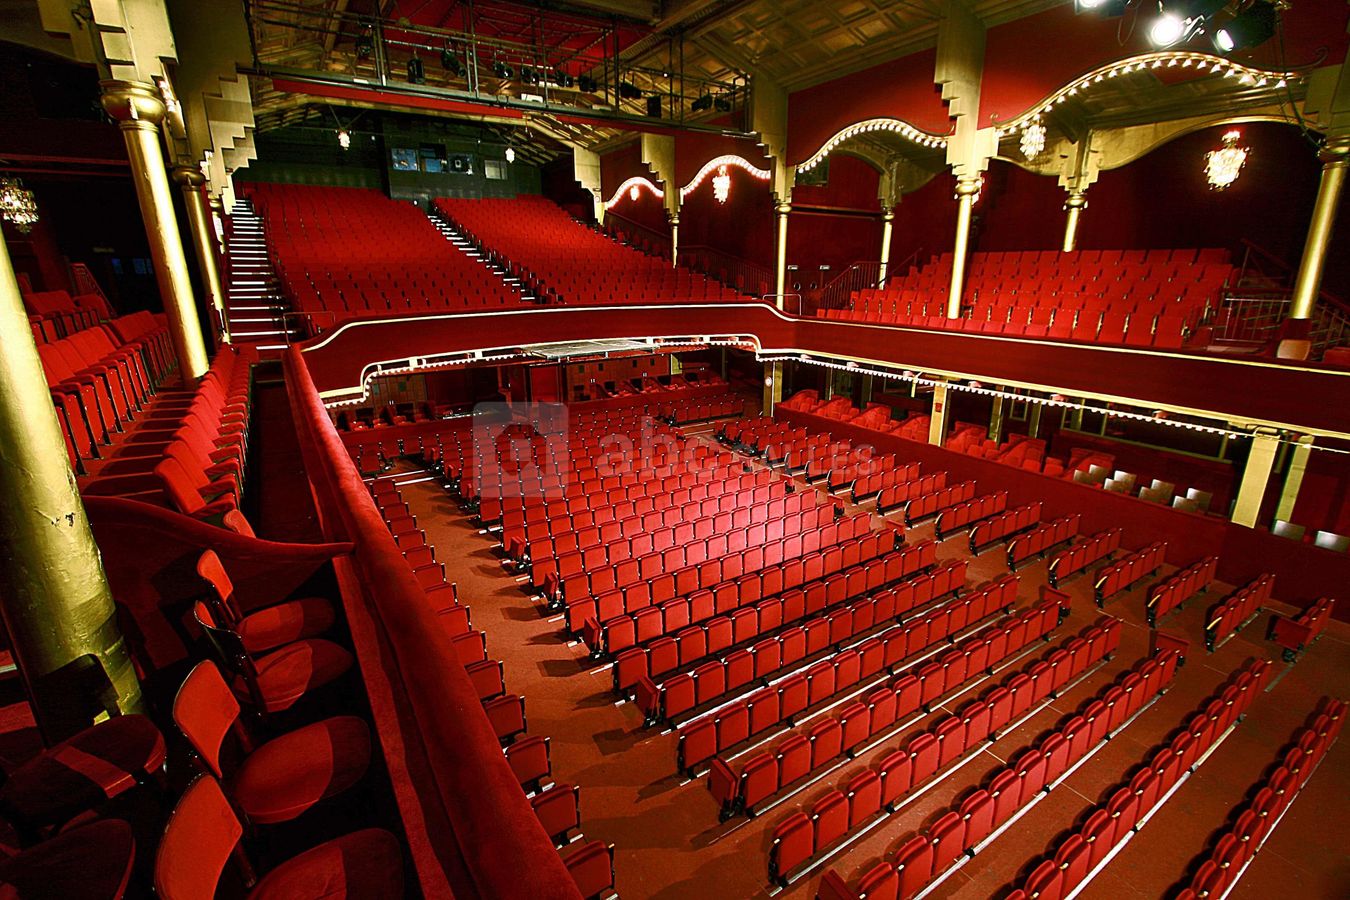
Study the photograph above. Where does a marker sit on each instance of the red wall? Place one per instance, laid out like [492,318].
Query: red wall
[900,89]
[743,226]
[925,221]
[838,223]
[693,149]
[619,165]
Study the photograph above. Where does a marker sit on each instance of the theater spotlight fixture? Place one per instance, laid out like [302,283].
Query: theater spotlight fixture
[1250,28]
[1180,20]
[344,138]
[416,71]
[722,103]
[450,62]
[365,44]
[702,103]
[502,70]
[587,85]
[1107,9]
[1223,166]
[629,91]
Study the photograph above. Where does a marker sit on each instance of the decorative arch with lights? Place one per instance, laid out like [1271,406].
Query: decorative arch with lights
[898,127]
[632,189]
[716,169]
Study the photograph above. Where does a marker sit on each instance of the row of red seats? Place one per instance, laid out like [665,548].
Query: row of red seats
[53,315]
[866,487]
[1180,587]
[910,771]
[1042,538]
[895,496]
[555,559]
[1296,633]
[874,551]
[999,528]
[1107,825]
[954,518]
[965,826]
[922,506]
[824,741]
[1233,611]
[637,668]
[1121,575]
[701,566]
[1253,820]
[701,410]
[711,565]
[1077,557]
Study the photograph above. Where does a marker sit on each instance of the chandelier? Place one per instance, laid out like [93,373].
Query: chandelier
[17,204]
[1223,166]
[633,193]
[1033,140]
[721,185]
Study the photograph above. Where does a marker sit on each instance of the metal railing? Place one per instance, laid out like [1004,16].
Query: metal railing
[1254,319]
[651,241]
[742,274]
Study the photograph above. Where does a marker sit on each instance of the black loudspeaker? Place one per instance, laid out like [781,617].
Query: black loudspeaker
[654,106]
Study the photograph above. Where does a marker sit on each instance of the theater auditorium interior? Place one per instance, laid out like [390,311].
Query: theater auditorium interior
[674,449]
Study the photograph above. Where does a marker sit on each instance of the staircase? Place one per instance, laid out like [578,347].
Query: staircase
[470,249]
[254,308]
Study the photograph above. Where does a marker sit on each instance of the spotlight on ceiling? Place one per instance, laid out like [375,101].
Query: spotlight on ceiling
[1107,9]
[365,44]
[702,103]
[450,62]
[1181,19]
[1250,28]
[587,84]
[629,91]
[722,103]
[416,71]
[502,70]
[528,76]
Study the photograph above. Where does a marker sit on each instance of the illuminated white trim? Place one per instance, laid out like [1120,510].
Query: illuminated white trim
[635,183]
[712,165]
[896,126]
[1206,63]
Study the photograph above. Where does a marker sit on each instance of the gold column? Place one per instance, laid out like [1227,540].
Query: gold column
[1074,206]
[780,282]
[1335,162]
[937,423]
[191,181]
[773,386]
[217,225]
[674,240]
[887,222]
[996,421]
[54,595]
[867,389]
[139,110]
[1293,479]
[1034,420]
[966,190]
[1255,478]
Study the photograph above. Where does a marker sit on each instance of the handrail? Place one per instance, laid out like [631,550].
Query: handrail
[476,834]
[744,275]
[1323,295]
[656,238]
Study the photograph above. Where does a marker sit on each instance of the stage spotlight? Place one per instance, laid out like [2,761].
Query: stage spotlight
[722,104]
[527,76]
[587,84]
[502,70]
[629,91]
[1167,29]
[1250,28]
[450,62]
[1106,9]
[702,103]
[416,71]
[365,44]
[1180,19]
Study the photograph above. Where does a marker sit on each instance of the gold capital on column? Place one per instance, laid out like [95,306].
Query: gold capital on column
[139,110]
[191,181]
[54,596]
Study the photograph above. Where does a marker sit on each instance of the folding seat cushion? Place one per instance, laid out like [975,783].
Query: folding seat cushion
[793,843]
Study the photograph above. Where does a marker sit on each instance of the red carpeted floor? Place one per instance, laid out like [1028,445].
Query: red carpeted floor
[669,843]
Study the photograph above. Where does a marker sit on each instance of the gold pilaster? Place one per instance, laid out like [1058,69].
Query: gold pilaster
[192,182]
[966,191]
[1255,478]
[937,422]
[773,386]
[1034,420]
[780,270]
[1293,478]
[867,388]
[54,596]
[1074,207]
[139,109]
[996,421]
[1335,163]
[887,225]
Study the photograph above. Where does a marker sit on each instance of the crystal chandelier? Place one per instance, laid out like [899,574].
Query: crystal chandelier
[17,204]
[1223,166]
[722,185]
[1033,140]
